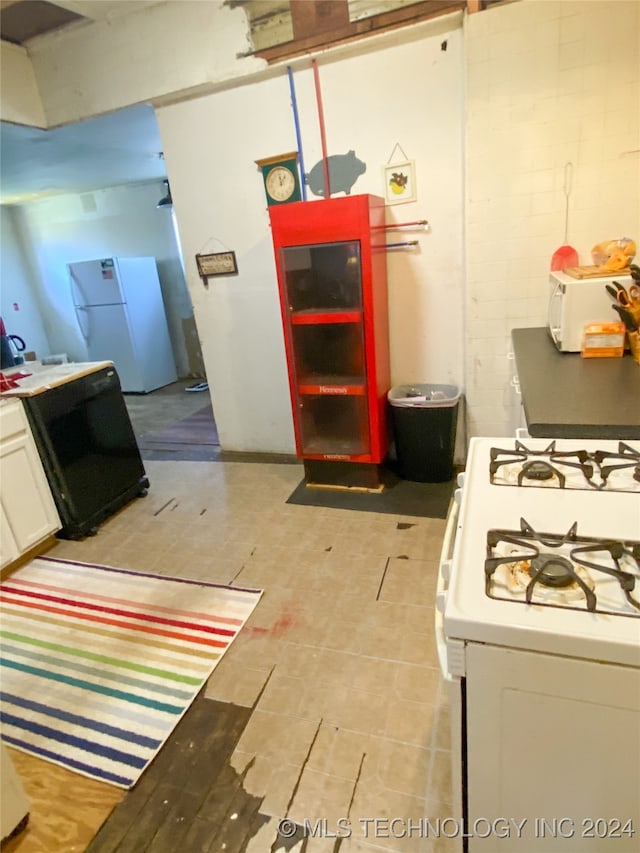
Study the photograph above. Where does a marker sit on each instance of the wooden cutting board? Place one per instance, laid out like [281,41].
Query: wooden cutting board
[593,272]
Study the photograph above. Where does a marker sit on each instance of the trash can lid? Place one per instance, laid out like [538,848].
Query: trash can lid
[424,395]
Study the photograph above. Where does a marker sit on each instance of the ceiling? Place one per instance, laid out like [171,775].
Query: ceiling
[119,148]
[21,20]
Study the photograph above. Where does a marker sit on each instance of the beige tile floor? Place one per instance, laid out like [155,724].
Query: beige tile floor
[352,717]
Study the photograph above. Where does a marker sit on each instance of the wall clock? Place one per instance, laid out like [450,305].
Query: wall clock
[281,178]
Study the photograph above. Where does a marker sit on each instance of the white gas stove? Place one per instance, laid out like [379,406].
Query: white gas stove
[547,548]
[538,632]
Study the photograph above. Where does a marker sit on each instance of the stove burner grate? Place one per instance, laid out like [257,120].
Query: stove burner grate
[542,568]
[625,459]
[552,467]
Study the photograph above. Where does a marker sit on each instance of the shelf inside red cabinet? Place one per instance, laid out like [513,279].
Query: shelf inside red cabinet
[339,457]
[348,386]
[329,354]
[313,317]
[334,424]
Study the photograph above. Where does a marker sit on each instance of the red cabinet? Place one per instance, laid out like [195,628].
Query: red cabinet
[332,280]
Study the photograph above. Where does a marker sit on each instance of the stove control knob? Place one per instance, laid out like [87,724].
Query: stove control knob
[460,479]
[441,601]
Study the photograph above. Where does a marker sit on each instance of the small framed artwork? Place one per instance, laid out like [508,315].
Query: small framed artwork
[400,182]
[218,263]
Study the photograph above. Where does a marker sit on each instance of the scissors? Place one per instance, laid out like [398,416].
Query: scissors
[623,296]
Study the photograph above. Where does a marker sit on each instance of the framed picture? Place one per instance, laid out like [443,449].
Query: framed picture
[218,263]
[400,182]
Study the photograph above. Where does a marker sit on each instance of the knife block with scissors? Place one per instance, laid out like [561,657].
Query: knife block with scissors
[627,305]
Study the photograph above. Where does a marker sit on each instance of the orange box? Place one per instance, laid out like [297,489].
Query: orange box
[603,340]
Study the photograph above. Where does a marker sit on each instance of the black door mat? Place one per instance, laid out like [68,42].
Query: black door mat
[399,497]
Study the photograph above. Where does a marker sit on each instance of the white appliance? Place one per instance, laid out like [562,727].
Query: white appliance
[575,302]
[538,631]
[121,315]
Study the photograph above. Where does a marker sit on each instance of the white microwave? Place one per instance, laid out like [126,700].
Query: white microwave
[576,302]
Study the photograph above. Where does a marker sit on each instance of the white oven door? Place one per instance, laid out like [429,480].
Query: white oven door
[555,742]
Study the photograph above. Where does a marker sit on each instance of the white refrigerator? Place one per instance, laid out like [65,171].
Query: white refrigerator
[121,315]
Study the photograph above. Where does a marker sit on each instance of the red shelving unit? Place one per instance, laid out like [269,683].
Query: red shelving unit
[333,296]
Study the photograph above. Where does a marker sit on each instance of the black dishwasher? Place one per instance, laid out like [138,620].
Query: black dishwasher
[88,450]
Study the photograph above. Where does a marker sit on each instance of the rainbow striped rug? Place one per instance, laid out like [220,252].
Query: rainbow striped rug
[99,664]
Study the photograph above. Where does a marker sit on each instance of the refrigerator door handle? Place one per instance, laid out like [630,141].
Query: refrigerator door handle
[77,308]
[84,334]
[72,280]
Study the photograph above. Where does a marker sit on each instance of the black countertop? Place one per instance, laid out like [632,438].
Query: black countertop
[568,396]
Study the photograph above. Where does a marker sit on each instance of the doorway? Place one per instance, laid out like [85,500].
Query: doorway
[177,422]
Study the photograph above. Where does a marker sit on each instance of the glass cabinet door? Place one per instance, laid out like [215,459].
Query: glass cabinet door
[334,425]
[329,354]
[323,277]
[323,290]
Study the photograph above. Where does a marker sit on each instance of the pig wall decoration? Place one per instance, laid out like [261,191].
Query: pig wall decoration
[344,171]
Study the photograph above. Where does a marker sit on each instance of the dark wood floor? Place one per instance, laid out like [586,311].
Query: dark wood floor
[194,438]
[190,799]
[197,428]
[171,425]
[185,798]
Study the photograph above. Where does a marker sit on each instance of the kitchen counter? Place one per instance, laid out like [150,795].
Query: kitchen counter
[34,378]
[568,396]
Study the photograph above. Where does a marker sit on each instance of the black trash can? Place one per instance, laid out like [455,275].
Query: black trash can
[424,420]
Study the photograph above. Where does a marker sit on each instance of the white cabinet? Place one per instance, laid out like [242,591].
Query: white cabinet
[27,511]
[556,741]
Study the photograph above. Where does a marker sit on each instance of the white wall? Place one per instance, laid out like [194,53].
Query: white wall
[409,94]
[156,52]
[20,101]
[121,221]
[19,306]
[547,83]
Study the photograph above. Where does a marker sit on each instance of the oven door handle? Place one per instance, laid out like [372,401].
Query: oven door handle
[441,643]
[444,573]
